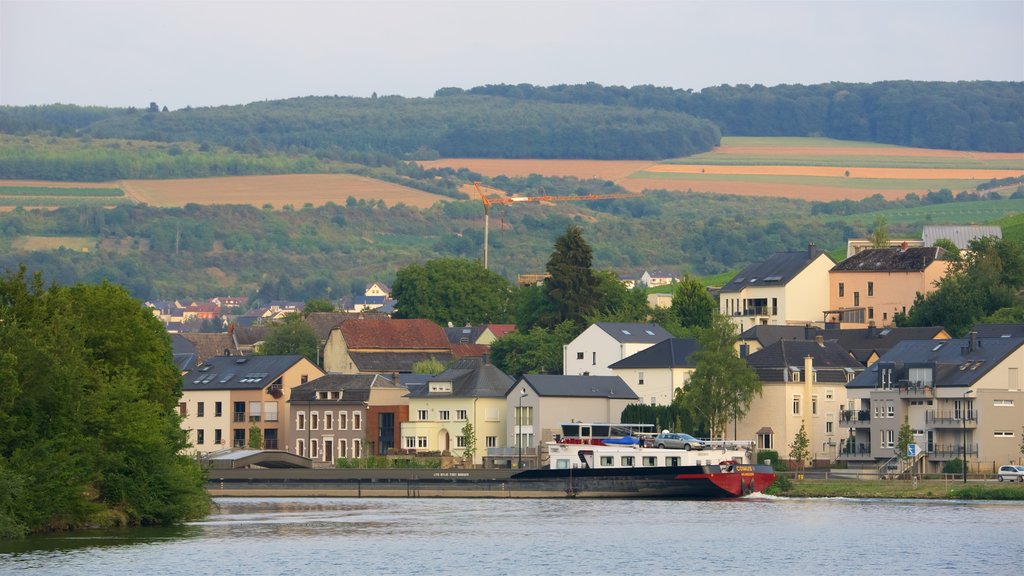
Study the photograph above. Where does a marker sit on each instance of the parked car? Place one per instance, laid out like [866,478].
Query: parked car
[1011,473]
[676,440]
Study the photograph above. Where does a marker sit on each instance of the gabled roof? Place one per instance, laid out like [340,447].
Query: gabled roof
[323,322]
[634,333]
[184,351]
[999,330]
[211,344]
[553,385]
[395,361]
[238,372]
[669,353]
[959,235]
[777,270]
[766,334]
[957,363]
[248,335]
[500,330]
[890,260]
[470,378]
[463,334]
[830,361]
[861,343]
[393,334]
[353,387]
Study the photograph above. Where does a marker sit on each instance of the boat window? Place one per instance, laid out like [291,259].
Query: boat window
[627,461]
[570,430]
[672,461]
[561,463]
[607,461]
[650,460]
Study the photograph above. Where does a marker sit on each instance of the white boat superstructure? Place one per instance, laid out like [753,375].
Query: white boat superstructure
[595,456]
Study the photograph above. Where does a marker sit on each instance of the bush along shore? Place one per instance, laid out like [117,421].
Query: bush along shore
[946,489]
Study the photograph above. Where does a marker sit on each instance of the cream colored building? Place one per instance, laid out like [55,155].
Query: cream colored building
[803,384]
[960,397]
[468,392]
[234,393]
[874,285]
[659,372]
[789,288]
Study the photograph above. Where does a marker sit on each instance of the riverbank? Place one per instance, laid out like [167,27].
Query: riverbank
[922,489]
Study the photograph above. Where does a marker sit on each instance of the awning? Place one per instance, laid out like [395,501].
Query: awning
[765,431]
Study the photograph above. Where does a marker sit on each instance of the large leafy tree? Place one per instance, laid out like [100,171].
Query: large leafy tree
[453,290]
[538,351]
[88,420]
[723,385]
[691,303]
[291,336]
[572,285]
[985,282]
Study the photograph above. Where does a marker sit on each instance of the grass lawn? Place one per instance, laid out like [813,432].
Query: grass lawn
[928,489]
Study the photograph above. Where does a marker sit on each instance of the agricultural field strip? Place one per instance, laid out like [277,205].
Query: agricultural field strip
[851,162]
[48,191]
[829,171]
[832,182]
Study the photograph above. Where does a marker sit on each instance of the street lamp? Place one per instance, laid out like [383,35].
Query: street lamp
[963,418]
[519,427]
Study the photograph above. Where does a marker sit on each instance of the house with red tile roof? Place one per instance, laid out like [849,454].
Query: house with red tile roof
[384,346]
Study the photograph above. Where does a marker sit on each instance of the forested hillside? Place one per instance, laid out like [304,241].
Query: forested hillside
[566,121]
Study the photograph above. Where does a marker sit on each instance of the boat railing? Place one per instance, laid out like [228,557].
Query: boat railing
[731,444]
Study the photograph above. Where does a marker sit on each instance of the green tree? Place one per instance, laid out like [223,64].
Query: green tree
[572,285]
[616,302]
[291,336]
[452,290]
[88,411]
[469,443]
[429,366]
[722,385]
[317,305]
[538,351]
[692,304]
[904,440]
[880,233]
[255,437]
[799,449]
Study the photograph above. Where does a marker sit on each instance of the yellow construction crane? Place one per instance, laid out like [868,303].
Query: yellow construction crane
[488,201]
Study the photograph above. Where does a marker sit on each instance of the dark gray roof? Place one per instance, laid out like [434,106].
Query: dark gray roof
[831,362]
[238,372]
[634,333]
[470,378]
[999,330]
[353,387]
[861,343]
[957,364]
[670,353]
[184,351]
[385,362]
[464,334]
[777,270]
[890,260]
[577,386]
[767,334]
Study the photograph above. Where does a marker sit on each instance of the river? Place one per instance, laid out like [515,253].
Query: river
[763,535]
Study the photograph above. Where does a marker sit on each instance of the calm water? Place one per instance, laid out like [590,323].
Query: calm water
[317,536]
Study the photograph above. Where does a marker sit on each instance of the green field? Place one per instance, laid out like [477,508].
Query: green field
[978,212]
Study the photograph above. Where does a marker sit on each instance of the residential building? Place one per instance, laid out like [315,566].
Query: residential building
[961,236]
[605,343]
[212,344]
[225,396]
[659,300]
[788,288]
[866,345]
[658,372]
[856,245]
[538,405]
[384,346]
[803,383]
[470,392]
[961,397]
[657,278]
[874,285]
[332,417]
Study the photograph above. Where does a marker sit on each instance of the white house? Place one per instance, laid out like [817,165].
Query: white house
[657,372]
[605,343]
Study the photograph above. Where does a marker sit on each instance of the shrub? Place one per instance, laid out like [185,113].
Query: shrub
[954,466]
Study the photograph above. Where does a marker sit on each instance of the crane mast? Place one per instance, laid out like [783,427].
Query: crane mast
[490,200]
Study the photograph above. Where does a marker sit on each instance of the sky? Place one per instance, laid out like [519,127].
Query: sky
[209,53]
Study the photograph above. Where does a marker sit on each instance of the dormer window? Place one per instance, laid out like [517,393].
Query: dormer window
[440,387]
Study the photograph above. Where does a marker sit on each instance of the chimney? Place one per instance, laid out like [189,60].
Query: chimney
[809,332]
[811,249]
[903,246]
[973,342]
[872,331]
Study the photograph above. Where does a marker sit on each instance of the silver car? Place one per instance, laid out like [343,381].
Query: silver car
[676,440]
[1011,473]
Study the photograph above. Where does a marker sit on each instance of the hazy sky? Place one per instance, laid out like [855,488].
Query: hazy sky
[204,53]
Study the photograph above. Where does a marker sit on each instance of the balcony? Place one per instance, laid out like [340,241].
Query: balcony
[951,451]
[854,417]
[757,311]
[239,417]
[915,390]
[951,418]
[855,449]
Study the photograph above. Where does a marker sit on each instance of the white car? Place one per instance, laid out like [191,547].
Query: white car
[1011,473]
